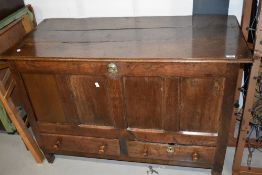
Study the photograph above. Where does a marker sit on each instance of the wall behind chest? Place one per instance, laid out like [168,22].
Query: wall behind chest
[116,8]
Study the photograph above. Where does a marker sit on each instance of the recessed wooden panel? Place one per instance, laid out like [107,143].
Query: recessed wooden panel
[201,100]
[91,99]
[171,104]
[44,96]
[143,100]
[67,99]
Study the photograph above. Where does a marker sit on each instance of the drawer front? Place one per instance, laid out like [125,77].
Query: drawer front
[79,144]
[190,154]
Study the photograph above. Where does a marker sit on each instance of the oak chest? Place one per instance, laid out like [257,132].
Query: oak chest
[146,89]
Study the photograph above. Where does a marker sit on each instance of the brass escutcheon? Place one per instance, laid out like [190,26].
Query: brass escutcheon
[112,68]
[170,149]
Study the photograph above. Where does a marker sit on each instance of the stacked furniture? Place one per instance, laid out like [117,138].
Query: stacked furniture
[13,28]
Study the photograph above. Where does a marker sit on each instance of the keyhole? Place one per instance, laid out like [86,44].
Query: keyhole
[97,84]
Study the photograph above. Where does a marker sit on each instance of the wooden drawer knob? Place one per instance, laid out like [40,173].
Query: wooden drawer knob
[57,144]
[195,156]
[101,149]
[145,154]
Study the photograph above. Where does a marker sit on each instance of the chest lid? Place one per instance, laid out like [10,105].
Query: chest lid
[187,38]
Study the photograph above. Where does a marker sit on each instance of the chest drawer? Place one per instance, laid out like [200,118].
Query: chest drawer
[79,144]
[190,154]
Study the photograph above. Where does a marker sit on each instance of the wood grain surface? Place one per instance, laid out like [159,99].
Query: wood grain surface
[173,84]
[173,38]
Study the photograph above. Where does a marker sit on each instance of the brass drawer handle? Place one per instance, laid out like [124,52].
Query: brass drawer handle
[57,144]
[170,149]
[101,149]
[112,68]
[195,156]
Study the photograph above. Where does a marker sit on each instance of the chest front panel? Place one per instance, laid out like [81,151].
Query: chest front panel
[140,99]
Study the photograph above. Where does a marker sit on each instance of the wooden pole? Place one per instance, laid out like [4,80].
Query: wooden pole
[244,127]
[246,14]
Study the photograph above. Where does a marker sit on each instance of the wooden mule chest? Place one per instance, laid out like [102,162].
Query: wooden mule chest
[146,89]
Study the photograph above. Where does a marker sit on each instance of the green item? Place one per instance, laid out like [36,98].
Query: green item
[9,127]
[16,15]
